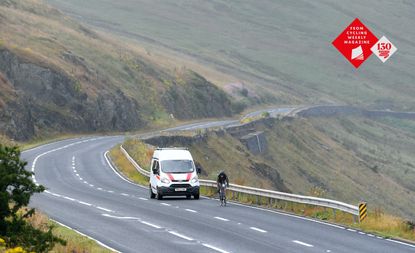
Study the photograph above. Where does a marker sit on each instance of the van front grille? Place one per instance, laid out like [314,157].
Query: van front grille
[180,185]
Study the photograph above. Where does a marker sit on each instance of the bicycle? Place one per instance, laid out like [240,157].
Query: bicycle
[222,194]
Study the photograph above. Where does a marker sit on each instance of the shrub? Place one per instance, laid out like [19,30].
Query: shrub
[16,188]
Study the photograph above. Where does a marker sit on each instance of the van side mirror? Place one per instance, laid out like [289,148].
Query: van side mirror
[198,170]
[155,171]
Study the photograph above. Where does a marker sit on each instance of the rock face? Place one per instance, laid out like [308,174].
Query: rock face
[195,97]
[47,99]
[255,142]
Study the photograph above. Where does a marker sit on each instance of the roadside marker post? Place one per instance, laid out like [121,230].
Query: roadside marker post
[362,211]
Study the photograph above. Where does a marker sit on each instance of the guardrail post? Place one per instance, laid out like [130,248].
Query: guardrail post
[334,214]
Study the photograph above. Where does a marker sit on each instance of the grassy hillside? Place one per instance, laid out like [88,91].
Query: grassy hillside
[349,159]
[57,75]
[281,47]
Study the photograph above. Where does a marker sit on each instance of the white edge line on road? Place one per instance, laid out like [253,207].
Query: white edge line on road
[150,224]
[165,204]
[118,174]
[403,243]
[84,203]
[258,229]
[181,236]
[214,248]
[105,209]
[287,214]
[142,198]
[351,230]
[191,210]
[82,234]
[68,198]
[303,243]
[120,217]
[220,218]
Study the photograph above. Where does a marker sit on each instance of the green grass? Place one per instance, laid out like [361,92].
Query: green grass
[122,163]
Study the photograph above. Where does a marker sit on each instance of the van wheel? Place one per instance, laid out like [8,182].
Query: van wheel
[159,196]
[196,196]
[152,195]
[188,196]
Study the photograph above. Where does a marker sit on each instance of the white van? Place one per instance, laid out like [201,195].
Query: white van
[173,173]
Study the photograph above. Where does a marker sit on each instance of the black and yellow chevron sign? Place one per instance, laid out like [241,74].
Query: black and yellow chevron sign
[362,211]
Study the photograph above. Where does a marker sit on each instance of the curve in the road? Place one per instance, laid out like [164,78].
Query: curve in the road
[86,194]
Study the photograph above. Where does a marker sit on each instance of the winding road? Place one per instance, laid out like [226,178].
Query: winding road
[85,193]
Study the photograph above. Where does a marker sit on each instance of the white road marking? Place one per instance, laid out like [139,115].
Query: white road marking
[77,174]
[99,188]
[190,210]
[91,185]
[75,171]
[100,243]
[105,209]
[370,235]
[220,218]
[165,204]
[289,215]
[111,191]
[214,248]
[143,198]
[351,230]
[258,229]
[56,195]
[120,217]
[303,243]
[181,236]
[118,174]
[125,194]
[379,237]
[84,203]
[85,182]
[399,242]
[68,198]
[150,224]
[360,232]
[81,178]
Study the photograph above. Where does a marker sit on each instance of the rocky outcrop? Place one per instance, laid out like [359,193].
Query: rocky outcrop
[49,100]
[195,97]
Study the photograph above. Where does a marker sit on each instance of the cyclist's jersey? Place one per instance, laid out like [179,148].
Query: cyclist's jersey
[222,179]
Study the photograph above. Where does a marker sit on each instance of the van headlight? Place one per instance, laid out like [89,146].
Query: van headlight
[194,180]
[165,180]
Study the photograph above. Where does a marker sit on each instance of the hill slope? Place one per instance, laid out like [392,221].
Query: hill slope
[281,50]
[348,159]
[59,76]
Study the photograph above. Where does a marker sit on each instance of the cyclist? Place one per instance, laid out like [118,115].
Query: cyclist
[222,180]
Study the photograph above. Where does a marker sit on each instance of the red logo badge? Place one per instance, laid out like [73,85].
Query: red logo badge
[355,42]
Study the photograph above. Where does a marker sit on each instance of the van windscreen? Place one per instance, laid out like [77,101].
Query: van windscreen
[177,166]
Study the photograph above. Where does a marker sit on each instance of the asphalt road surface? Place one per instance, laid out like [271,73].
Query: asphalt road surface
[85,193]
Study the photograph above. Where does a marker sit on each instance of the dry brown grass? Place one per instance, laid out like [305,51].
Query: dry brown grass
[126,167]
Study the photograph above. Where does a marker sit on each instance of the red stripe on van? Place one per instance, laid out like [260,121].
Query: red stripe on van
[188,176]
[158,177]
[170,176]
